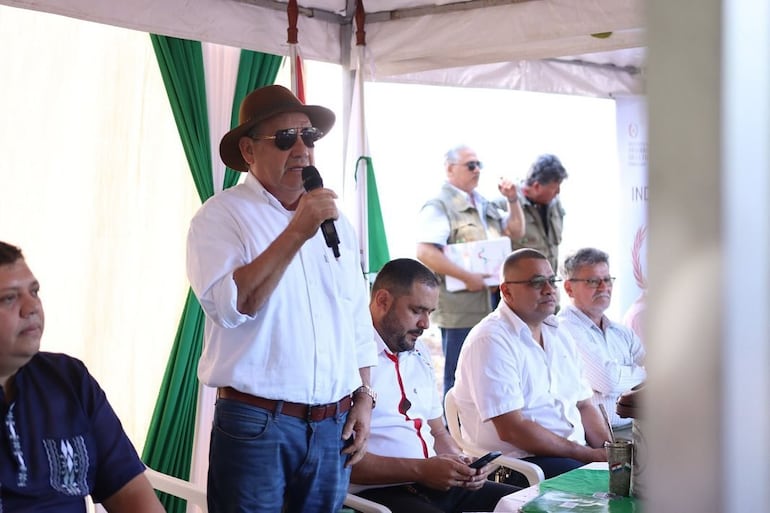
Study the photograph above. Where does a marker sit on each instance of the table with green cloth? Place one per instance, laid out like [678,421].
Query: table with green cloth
[581,490]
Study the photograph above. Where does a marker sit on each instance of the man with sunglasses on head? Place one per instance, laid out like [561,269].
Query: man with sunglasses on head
[520,388]
[413,465]
[288,339]
[543,213]
[613,356]
[460,214]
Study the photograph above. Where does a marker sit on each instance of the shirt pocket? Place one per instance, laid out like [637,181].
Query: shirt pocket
[68,464]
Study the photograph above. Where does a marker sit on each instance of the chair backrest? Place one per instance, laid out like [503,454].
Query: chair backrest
[453,424]
[532,472]
[194,495]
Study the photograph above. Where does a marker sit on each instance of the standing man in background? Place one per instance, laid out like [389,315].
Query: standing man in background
[460,214]
[613,356]
[543,213]
[288,340]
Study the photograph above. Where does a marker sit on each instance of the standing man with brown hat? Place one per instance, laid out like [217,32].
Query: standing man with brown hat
[288,338]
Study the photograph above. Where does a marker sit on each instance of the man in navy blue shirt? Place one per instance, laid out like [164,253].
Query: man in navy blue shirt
[60,440]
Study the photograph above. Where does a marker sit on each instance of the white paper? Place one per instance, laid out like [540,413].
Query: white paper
[481,256]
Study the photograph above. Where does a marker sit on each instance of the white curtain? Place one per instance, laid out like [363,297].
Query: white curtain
[96,191]
[220,64]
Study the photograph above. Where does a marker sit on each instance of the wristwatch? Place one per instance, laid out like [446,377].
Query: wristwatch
[366,389]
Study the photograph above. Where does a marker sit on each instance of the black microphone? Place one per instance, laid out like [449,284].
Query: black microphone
[311,180]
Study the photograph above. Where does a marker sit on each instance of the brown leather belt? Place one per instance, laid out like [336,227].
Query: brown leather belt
[311,413]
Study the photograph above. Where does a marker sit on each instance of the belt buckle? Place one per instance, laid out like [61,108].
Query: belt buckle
[309,414]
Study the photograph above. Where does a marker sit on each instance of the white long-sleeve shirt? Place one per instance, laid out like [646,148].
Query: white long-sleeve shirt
[307,342]
[613,359]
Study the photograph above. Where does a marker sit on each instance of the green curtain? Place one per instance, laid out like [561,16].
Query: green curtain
[169,443]
[181,66]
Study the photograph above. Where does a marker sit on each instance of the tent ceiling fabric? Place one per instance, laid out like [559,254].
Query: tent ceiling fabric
[403,36]
[585,75]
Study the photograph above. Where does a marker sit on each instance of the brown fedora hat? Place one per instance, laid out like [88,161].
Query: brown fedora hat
[262,104]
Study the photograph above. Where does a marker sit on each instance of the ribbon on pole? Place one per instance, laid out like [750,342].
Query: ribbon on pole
[297,72]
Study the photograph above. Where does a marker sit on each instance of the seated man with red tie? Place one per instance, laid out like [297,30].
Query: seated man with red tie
[413,464]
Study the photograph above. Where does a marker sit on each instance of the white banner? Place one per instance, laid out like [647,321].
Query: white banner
[629,263]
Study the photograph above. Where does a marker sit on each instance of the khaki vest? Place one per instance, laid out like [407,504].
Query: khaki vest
[463,309]
[534,234]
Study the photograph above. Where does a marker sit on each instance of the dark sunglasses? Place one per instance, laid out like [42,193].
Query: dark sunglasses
[472,165]
[285,139]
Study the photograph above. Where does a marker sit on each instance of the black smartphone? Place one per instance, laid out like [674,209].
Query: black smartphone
[486,459]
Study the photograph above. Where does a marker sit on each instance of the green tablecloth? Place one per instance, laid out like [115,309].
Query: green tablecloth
[579,491]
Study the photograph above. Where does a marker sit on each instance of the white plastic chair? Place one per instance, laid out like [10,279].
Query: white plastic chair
[194,495]
[364,505]
[532,472]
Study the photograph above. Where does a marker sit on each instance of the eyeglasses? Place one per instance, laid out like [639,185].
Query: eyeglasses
[471,165]
[538,282]
[594,282]
[285,139]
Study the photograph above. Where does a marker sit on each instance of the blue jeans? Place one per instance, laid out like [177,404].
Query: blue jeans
[451,342]
[264,461]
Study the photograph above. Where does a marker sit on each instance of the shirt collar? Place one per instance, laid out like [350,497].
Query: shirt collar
[518,324]
[578,314]
[382,347]
[478,198]
[256,186]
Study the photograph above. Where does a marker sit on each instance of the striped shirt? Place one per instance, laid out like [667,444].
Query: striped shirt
[613,359]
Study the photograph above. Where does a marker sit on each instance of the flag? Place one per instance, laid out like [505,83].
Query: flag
[377,240]
[361,185]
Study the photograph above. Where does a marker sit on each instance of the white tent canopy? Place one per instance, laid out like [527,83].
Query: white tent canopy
[523,45]
[568,46]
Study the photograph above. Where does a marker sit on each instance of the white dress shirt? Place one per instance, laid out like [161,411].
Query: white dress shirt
[307,342]
[393,433]
[613,359]
[502,369]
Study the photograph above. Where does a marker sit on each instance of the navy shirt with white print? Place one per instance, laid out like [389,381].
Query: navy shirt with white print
[60,440]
